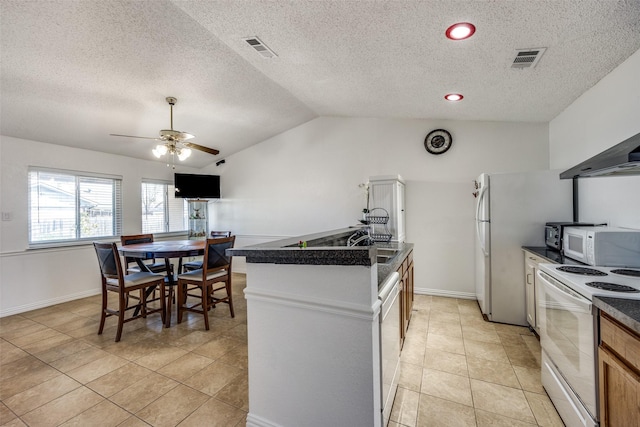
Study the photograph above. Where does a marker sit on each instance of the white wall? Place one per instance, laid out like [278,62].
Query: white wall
[39,277]
[306,180]
[605,115]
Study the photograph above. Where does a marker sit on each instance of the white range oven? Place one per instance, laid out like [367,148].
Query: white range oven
[568,333]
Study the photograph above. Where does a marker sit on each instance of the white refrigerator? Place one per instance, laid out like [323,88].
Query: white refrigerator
[511,212]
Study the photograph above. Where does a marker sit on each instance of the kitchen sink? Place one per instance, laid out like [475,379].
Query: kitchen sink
[383,259]
[389,252]
[385,255]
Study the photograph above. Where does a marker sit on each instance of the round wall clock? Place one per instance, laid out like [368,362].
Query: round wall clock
[438,141]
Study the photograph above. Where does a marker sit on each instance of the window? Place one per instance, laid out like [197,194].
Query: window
[67,206]
[162,212]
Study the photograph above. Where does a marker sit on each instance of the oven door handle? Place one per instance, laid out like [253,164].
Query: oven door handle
[557,287]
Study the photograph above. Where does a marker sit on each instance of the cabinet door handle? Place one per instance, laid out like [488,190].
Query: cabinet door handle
[529,282]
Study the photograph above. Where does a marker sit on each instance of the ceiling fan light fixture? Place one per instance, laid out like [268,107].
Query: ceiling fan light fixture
[160,150]
[174,140]
[183,154]
[460,31]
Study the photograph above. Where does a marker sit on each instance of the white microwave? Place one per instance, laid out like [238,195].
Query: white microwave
[602,246]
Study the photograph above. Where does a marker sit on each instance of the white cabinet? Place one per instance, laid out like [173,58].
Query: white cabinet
[531,262]
[387,192]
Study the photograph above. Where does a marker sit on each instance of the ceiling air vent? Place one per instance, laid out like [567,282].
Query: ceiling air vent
[260,47]
[527,58]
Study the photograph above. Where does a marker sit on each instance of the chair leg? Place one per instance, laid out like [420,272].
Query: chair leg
[163,304]
[121,309]
[103,317]
[205,304]
[143,302]
[181,300]
[169,299]
[228,286]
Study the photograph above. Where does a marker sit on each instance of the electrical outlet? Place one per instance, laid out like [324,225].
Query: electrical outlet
[7,216]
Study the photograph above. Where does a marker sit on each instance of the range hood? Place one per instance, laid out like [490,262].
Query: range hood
[621,159]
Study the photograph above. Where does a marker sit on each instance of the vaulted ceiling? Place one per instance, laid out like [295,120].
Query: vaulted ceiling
[73,72]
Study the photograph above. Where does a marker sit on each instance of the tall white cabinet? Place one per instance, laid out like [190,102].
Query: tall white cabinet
[198,219]
[387,192]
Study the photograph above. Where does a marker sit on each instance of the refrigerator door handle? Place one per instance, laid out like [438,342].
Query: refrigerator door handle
[479,221]
[481,239]
[481,194]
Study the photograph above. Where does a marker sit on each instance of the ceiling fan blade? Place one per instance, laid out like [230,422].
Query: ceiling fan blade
[131,136]
[201,148]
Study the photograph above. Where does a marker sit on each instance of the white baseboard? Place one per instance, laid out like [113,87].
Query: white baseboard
[47,303]
[256,421]
[443,293]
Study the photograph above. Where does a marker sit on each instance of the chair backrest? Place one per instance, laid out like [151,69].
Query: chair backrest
[215,257]
[136,238]
[109,260]
[132,239]
[220,234]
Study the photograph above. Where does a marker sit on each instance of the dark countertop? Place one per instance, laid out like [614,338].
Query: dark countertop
[551,255]
[387,268]
[326,248]
[322,249]
[625,311]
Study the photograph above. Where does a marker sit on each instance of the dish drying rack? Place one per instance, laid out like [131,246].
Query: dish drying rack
[377,222]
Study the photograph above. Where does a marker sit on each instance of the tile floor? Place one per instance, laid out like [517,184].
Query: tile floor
[457,370]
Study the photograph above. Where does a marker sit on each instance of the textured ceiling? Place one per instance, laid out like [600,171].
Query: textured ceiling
[72,72]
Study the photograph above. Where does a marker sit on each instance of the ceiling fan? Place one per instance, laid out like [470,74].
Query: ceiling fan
[175,142]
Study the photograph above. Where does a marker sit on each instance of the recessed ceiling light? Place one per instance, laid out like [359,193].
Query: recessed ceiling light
[460,31]
[453,97]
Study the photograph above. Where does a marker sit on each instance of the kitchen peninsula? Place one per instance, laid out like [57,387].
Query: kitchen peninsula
[313,329]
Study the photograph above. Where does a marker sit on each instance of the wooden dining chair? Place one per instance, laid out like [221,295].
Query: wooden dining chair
[196,265]
[115,280]
[155,267]
[199,284]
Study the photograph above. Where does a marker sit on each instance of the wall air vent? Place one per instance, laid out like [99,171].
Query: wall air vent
[527,58]
[260,47]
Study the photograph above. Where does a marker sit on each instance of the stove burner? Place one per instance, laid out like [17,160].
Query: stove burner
[582,270]
[627,272]
[605,286]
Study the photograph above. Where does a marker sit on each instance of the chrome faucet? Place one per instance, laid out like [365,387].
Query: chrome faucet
[359,237]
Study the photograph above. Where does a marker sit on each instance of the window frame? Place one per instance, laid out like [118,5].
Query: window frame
[80,178]
[166,207]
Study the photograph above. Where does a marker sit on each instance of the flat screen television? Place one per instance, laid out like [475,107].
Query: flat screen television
[192,186]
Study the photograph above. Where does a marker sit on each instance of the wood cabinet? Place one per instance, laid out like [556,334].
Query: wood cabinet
[531,262]
[619,374]
[406,294]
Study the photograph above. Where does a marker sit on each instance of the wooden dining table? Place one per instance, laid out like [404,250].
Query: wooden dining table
[164,249]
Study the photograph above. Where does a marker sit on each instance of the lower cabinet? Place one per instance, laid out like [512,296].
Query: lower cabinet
[531,262]
[619,374]
[406,294]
